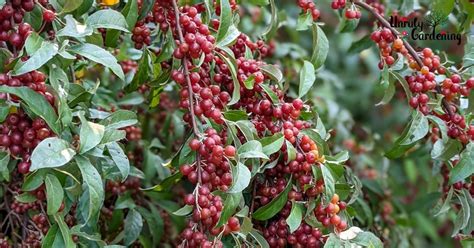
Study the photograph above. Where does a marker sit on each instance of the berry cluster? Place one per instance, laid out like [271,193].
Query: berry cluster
[133,133]
[378,7]
[197,37]
[352,13]
[422,82]
[132,185]
[141,35]
[35,80]
[129,66]
[328,215]
[215,173]
[338,4]
[12,13]
[41,222]
[20,135]
[4,243]
[388,45]
[309,6]
[207,212]
[277,235]
[243,42]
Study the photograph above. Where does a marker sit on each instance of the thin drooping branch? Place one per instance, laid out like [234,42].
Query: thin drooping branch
[407,45]
[190,89]
[186,71]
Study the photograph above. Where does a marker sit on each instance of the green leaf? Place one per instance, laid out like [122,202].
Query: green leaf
[33,43]
[130,11]
[307,78]
[74,29]
[388,85]
[45,53]
[445,206]
[36,103]
[441,9]
[93,182]
[99,55]
[346,25]
[132,227]
[65,232]
[34,18]
[367,239]
[48,240]
[4,160]
[339,158]
[108,18]
[333,241]
[120,159]
[5,56]
[225,20]
[249,82]
[296,216]
[70,6]
[259,2]
[54,193]
[329,182]
[445,149]
[230,62]
[119,119]
[251,149]
[320,47]
[230,205]
[26,198]
[273,26]
[273,72]
[272,208]
[418,129]
[146,7]
[184,211]
[33,181]
[305,20]
[90,135]
[235,115]
[272,144]
[231,35]
[262,242]
[291,151]
[51,153]
[240,178]
[142,74]
[361,45]
[273,96]
[465,167]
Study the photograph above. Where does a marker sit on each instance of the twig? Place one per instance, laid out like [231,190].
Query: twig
[190,98]
[410,49]
[186,71]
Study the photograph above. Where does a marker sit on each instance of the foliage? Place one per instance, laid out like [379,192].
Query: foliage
[230,123]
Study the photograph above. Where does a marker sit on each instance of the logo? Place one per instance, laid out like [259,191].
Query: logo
[424,29]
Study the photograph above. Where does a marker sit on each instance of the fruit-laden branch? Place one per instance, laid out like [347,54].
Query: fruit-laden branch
[188,82]
[410,49]
[186,71]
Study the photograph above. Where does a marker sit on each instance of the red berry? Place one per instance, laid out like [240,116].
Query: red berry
[48,15]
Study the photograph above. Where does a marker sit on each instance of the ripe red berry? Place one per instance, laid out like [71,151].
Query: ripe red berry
[350,14]
[194,144]
[48,15]
[229,151]
[24,167]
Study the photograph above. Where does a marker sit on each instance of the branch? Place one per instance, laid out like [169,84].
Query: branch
[190,89]
[410,49]
[186,71]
